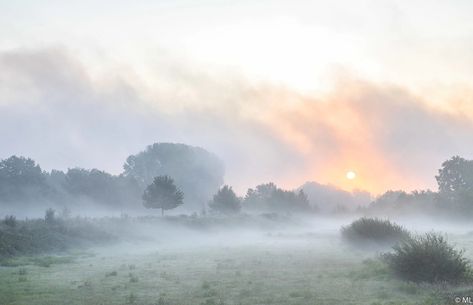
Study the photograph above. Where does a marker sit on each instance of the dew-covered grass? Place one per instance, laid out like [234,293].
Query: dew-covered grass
[276,269]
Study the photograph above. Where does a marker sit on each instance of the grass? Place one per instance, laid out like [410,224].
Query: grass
[42,261]
[279,272]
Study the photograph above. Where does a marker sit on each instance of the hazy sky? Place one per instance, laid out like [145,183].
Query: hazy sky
[283,91]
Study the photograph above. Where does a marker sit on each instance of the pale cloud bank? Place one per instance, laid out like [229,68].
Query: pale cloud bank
[55,111]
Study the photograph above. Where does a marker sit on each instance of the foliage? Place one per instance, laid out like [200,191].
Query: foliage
[162,194]
[402,203]
[454,196]
[375,231]
[225,201]
[269,198]
[10,221]
[198,172]
[428,258]
[29,237]
[21,179]
[455,175]
[455,182]
[50,216]
[101,187]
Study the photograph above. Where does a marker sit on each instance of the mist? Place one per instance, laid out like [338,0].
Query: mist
[63,116]
[236,153]
[168,221]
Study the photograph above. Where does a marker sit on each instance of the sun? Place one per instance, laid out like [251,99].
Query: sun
[350,175]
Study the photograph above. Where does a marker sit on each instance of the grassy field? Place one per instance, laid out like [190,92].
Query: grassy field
[274,268]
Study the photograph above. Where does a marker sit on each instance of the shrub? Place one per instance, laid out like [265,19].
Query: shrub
[374,230]
[50,216]
[163,300]
[10,221]
[22,278]
[428,258]
[133,278]
[31,237]
[131,299]
[225,201]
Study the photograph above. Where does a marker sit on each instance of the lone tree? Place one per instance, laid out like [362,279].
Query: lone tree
[455,181]
[455,175]
[197,172]
[225,201]
[162,194]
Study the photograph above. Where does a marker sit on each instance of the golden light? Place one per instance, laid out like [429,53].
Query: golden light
[351,175]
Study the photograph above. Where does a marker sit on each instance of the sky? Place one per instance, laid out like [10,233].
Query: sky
[282,91]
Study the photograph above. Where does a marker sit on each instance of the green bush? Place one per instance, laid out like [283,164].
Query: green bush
[374,231]
[37,236]
[428,258]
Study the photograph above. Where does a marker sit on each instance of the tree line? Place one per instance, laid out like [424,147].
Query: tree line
[163,194]
[163,176]
[454,195]
[23,184]
[168,175]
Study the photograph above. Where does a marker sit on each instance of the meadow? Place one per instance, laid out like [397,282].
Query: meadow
[307,264]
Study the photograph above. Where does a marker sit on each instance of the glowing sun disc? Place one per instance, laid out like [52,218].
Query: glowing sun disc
[351,175]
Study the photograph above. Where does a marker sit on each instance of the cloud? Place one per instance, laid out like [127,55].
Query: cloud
[55,110]
[392,138]
[52,110]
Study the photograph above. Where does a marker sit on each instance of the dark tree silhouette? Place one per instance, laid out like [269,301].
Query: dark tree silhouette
[50,216]
[225,201]
[197,172]
[21,179]
[162,194]
[455,181]
[455,175]
[99,186]
[268,197]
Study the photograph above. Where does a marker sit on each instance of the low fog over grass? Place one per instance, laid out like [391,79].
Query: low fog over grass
[167,230]
[236,152]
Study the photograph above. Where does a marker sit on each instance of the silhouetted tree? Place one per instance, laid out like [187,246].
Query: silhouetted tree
[197,171]
[268,197]
[225,201]
[455,181]
[399,202]
[162,194]
[100,187]
[455,175]
[259,197]
[21,179]
[10,221]
[50,216]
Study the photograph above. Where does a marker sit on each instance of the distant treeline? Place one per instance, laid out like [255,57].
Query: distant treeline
[454,197]
[198,175]
[264,198]
[197,172]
